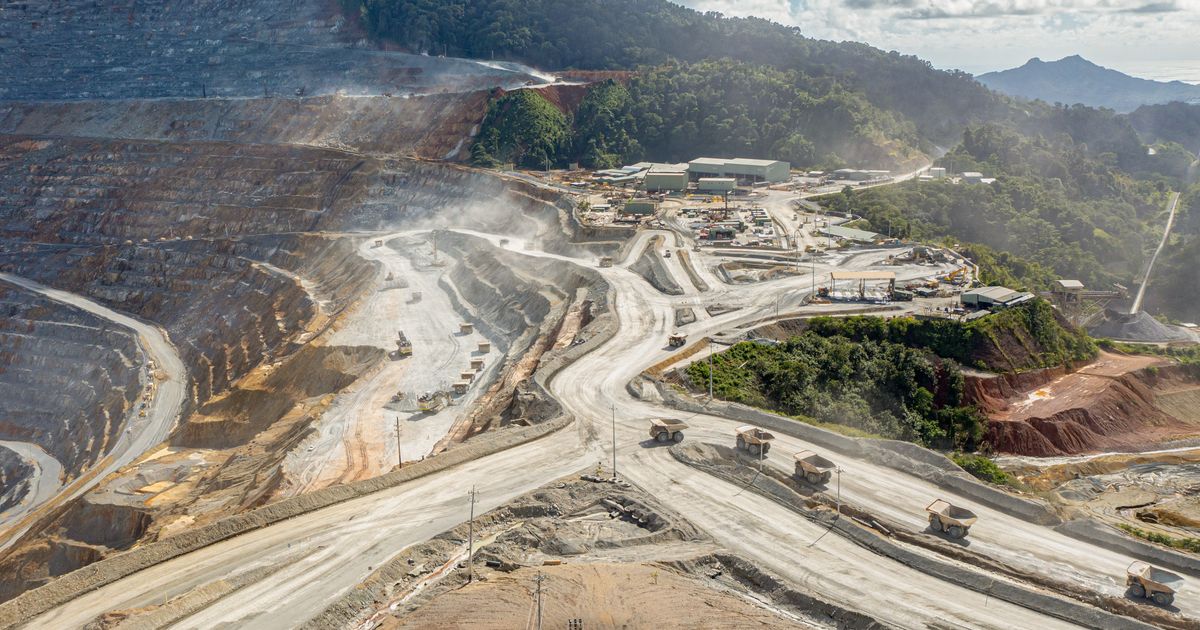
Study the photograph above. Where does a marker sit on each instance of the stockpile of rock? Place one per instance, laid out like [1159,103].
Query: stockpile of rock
[1139,326]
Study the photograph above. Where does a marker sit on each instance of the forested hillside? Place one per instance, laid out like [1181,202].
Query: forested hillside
[679,111]
[627,34]
[1058,209]
[898,378]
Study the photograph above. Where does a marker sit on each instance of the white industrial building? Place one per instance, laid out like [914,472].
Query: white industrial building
[742,169]
[994,297]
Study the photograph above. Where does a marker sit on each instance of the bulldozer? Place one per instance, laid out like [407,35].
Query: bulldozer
[665,430]
[754,440]
[950,519]
[1152,583]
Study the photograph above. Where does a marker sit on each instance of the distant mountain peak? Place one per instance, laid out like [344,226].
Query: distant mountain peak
[1074,79]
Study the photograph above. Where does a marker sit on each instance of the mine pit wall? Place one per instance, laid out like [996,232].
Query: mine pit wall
[15,474]
[421,126]
[230,48]
[1125,415]
[67,378]
[521,301]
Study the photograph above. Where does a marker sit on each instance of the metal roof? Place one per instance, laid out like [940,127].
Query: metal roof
[1070,284]
[864,275]
[752,162]
[850,233]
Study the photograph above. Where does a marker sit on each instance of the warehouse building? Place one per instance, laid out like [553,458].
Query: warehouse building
[994,297]
[640,207]
[716,184]
[741,169]
[666,177]
[850,234]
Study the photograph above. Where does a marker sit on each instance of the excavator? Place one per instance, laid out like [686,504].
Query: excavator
[433,402]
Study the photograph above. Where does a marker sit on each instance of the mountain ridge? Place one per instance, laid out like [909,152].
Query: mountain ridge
[1074,79]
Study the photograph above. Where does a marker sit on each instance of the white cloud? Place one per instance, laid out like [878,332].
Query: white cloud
[978,35]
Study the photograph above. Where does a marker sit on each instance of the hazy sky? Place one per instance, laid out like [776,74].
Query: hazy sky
[1144,37]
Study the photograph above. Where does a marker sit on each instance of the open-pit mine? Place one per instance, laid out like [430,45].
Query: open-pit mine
[273,355]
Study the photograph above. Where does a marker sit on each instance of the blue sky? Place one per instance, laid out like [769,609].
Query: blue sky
[1141,37]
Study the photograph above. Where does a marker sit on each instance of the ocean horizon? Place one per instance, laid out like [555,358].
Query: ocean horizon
[1186,71]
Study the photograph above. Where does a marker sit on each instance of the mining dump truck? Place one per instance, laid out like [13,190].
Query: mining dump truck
[606,261]
[665,430]
[677,340]
[1152,583]
[950,519]
[753,439]
[813,468]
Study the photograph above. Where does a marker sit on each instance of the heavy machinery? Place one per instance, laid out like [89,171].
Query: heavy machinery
[665,430]
[677,340]
[606,261]
[754,440]
[950,519]
[403,346]
[432,402]
[1152,583]
[813,468]
[667,254]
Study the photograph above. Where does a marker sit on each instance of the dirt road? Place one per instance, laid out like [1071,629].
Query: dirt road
[348,539]
[140,433]
[44,483]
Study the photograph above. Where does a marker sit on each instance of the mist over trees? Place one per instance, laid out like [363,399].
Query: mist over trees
[719,108]
[1080,193]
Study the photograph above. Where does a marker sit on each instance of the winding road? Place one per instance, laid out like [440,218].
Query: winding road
[340,545]
[140,433]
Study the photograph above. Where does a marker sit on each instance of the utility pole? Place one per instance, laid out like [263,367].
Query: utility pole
[540,577]
[471,540]
[839,491]
[614,432]
[400,462]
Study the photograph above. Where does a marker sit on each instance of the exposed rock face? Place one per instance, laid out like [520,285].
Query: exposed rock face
[67,378]
[14,478]
[1103,412]
[81,49]
[436,126]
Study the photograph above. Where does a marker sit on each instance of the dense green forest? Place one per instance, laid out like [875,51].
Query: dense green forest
[722,108]
[1173,122]
[898,378]
[626,34]
[1060,208]
[879,387]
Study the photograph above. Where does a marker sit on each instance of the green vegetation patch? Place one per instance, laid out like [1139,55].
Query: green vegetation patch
[983,468]
[522,128]
[1187,544]
[1028,336]
[878,387]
